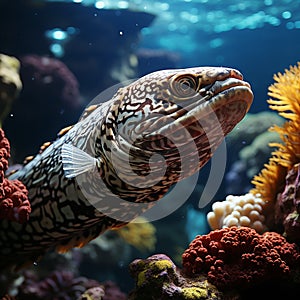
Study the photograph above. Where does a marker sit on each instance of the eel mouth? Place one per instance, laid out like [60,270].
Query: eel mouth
[220,94]
[226,101]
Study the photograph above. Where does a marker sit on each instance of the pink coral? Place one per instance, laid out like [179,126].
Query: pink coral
[14,203]
[240,257]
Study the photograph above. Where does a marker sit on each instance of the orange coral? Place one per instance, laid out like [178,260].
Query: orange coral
[286,91]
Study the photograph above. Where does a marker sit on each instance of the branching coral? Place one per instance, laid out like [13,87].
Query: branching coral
[245,210]
[14,204]
[240,257]
[271,181]
[286,92]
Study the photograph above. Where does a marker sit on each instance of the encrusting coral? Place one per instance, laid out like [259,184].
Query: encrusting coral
[14,203]
[245,210]
[239,258]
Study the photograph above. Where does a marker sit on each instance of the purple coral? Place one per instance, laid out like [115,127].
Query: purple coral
[44,73]
[60,285]
[287,207]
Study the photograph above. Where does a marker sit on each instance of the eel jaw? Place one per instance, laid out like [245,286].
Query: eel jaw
[225,102]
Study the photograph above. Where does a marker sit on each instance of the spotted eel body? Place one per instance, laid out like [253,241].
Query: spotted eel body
[181,116]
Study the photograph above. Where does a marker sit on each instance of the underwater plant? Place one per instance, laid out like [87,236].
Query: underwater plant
[275,178]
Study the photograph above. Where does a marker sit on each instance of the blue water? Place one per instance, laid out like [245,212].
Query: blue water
[258,37]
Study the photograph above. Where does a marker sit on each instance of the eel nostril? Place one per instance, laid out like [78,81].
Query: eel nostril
[235,74]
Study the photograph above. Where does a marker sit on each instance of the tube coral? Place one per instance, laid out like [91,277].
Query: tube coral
[14,203]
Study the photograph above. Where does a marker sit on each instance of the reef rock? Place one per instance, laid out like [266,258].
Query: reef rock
[287,207]
[158,278]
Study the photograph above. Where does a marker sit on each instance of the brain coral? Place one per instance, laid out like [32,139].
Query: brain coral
[245,210]
[240,257]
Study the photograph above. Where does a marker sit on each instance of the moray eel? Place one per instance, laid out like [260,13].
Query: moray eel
[122,156]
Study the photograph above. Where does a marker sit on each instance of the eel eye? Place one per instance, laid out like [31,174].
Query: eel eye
[184,86]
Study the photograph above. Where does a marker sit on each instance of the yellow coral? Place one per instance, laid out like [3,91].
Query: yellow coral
[156,267]
[194,293]
[286,91]
[139,233]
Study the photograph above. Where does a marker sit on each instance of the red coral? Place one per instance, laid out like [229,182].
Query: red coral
[14,203]
[4,154]
[240,257]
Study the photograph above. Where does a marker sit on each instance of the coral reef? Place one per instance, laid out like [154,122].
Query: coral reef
[287,207]
[10,83]
[271,180]
[14,203]
[108,291]
[112,291]
[139,233]
[157,277]
[95,293]
[249,142]
[239,258]
[245,210]
[61,285]
[64,285]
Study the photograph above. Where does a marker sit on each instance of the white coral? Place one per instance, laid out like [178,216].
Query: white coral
[245,210]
